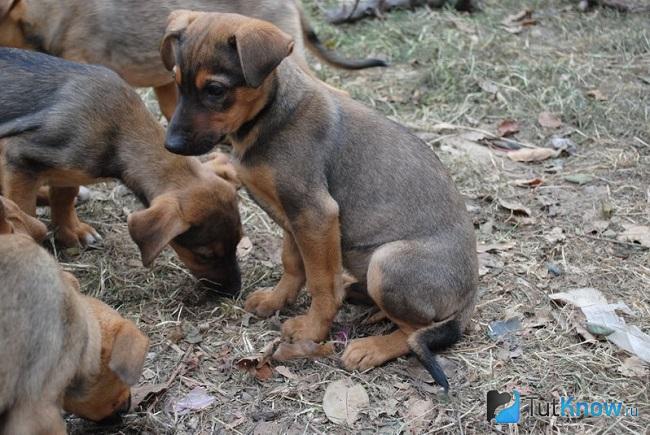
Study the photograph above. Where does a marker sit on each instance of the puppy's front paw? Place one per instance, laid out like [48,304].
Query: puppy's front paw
[77,234]
[264,302]
[305,327]
[365,353]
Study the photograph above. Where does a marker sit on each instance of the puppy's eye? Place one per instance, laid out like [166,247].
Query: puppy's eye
[215,90]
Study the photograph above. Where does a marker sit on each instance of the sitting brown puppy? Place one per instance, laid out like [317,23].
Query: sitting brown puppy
[66,124]
[124,34]
[59,348]
[350,188]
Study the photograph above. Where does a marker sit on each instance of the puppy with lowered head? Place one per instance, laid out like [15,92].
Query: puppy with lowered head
[66,124]
[59,348]
[352,190]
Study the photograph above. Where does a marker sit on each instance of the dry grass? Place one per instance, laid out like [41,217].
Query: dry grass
[442,64]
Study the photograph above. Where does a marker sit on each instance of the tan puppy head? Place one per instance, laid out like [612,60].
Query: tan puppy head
[12,16]
[14,220]
[223,65]
[201,223]
[96,395]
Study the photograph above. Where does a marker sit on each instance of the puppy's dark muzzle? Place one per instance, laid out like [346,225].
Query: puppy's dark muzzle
[178,144]
[227,282]
[187,143]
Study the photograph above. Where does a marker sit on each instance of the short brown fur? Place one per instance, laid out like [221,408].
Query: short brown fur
[350,188]
[60,349]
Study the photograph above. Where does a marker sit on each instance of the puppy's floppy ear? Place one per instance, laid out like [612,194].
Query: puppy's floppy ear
[153,228]
[176,24]
[130,348]
[5,226]
[261,47]
[6,6]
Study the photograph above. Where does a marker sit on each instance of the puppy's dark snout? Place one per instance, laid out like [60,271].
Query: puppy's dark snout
[176,142]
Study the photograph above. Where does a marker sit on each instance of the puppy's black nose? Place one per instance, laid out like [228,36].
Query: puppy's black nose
[176,143]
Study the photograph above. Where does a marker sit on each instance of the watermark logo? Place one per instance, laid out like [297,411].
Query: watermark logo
[509,414]
[565,407]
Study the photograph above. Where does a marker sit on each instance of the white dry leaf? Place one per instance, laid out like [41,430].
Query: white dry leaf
[343,401]
[196,400]
[599,312]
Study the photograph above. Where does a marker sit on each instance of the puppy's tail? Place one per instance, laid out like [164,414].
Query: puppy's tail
[316,46]
[426,342]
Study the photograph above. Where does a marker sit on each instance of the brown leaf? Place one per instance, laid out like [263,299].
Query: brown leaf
[532,154]
[515,207]
[258,364]
[140,393]
[302,349]
[507,127]
[530,182]
[264,373]
[549,120]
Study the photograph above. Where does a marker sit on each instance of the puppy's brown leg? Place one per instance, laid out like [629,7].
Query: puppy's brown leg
[318,237]
[69,230]
[265,302]
[167,98]
[21,188]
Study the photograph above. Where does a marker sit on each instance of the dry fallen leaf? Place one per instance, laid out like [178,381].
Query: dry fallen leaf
[507,127]
[417,414]
[302,349]
[530,182]
[549,120]
[639,234]
[284,371]
[140,393]
[196,400]
[258,364]
[514,206]
[532,154]
[343,401]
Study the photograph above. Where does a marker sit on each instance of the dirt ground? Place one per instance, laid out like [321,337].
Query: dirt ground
[551,226]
